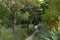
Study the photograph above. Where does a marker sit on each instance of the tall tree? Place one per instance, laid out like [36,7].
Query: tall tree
[17,5]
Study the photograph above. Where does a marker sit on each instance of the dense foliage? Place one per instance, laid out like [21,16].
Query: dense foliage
[29,13]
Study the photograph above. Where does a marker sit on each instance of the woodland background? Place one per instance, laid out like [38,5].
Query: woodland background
[18,19]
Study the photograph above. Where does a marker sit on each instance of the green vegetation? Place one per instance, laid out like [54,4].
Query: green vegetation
[18,19]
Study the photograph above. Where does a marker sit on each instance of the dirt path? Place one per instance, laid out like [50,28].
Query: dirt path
[30,37]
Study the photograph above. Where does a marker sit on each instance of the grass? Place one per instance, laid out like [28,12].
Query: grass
[47,35]
[22,33]
[7,34]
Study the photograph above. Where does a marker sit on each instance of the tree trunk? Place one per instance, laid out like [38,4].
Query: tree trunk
[14,21]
